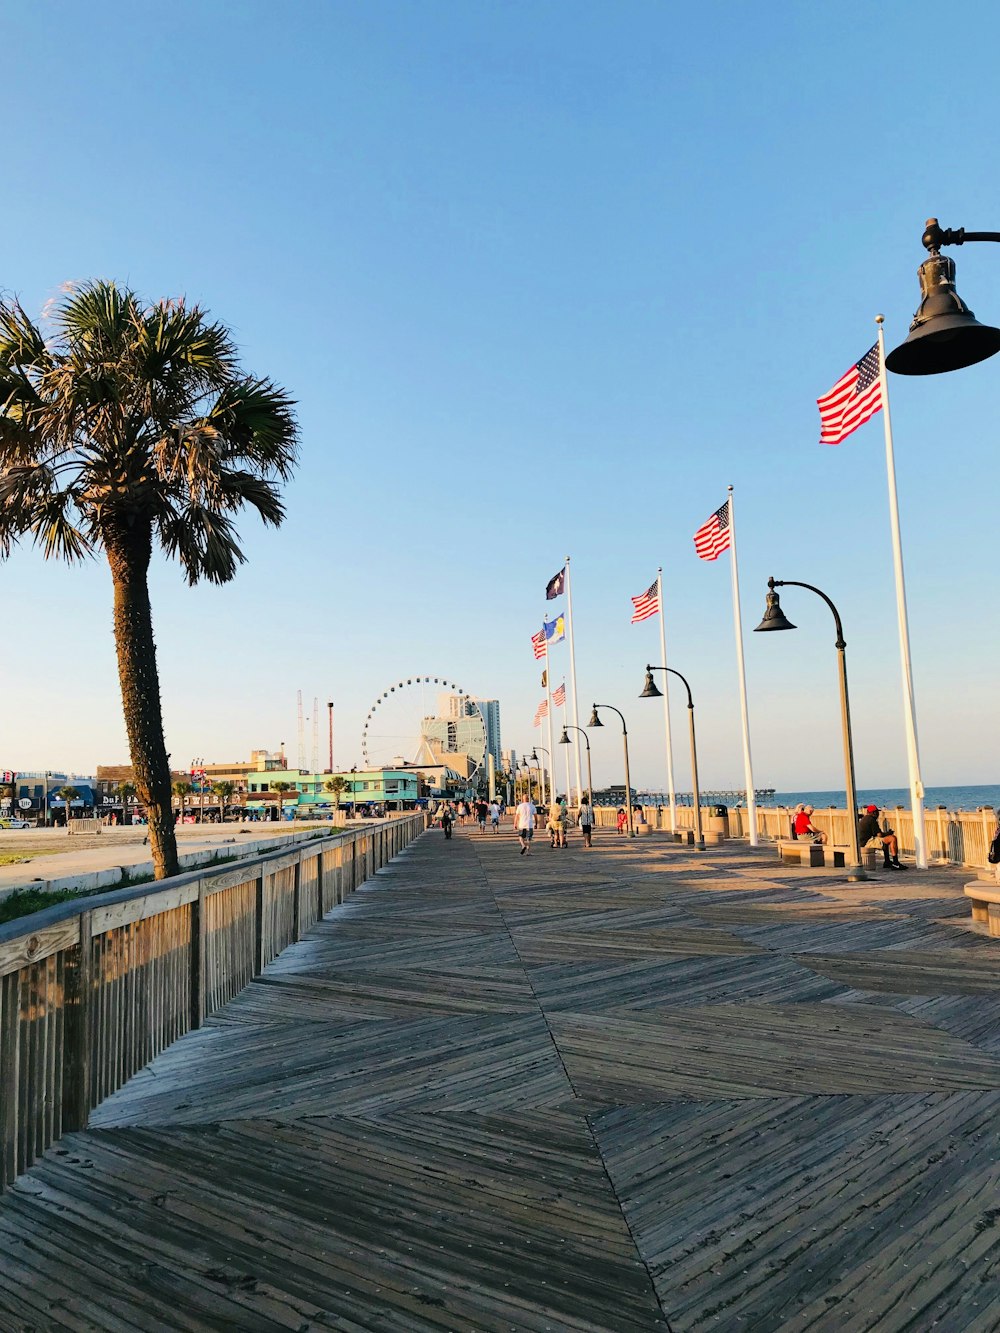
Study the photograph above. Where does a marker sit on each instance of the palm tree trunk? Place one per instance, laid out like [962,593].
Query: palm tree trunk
[129,550]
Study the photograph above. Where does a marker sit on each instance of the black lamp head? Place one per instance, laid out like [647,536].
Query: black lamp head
[564,738]
[595,721]
[534,755]
[945,334]
[774,617]
[649,690]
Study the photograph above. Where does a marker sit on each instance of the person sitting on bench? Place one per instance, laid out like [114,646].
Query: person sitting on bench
[869,831]
[803,826]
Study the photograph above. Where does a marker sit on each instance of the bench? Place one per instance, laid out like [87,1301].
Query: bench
[985,899]
[802,852]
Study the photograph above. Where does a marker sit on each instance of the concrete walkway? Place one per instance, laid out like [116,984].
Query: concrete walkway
[635,1088]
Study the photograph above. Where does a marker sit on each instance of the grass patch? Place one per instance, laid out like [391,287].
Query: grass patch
[22,902]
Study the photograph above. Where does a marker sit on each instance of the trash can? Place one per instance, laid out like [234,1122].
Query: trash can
[717,825]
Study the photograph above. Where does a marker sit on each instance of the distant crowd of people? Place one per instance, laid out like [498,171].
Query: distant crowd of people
[556,819]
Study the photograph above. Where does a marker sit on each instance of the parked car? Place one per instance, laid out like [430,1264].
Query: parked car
[9,821]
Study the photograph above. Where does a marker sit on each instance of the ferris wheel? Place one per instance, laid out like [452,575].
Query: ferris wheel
[394,726]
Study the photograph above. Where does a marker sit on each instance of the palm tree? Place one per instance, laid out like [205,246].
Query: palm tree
[125,426]
[68,794]
[223,790]
[182,790]
[337,786]
[125,791]
[281,788]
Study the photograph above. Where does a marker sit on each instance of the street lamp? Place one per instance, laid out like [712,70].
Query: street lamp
[595,721]
[564,739]
[541,771]
[945,334]
[775,619]
[650,691]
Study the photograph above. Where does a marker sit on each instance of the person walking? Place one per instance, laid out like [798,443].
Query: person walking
[524,824]
[495,816]
[585,818]
[557,825]
[482,811]
[446,821]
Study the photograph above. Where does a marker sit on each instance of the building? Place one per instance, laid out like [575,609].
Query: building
[35,795]
[490,710]
[457,734]
[396,788]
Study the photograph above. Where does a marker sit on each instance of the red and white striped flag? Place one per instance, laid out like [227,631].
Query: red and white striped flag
[852,401]
[712,538]
[646,604]
[541,711]
[559,696]
[538,643]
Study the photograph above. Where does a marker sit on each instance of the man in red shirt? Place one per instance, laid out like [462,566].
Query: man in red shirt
[805,828]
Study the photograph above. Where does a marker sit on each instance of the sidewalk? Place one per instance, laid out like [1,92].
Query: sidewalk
[637,1088]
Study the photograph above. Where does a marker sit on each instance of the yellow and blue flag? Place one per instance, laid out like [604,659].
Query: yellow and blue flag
[555,630]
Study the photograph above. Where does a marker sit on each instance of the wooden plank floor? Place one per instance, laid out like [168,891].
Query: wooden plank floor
[637,1088]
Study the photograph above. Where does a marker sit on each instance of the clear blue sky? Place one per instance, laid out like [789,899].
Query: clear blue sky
[544,279]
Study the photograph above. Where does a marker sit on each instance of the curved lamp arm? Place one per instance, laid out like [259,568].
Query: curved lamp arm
[568,726]
[615,710]
[679,677]
[934,236]
[791,583]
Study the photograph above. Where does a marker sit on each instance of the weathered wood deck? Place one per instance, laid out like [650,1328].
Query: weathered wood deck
[638,1088]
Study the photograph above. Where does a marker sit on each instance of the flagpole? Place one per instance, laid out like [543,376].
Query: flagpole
[572,679]
[566,750]
[742,673]
[666,707]
[548,716]
[909,704]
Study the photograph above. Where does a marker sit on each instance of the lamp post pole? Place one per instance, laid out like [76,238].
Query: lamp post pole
[778,621]
[650,692]
[329,709]
[565,740]
[541,766]
[595,721]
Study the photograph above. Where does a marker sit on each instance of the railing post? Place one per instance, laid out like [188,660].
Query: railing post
[198,961]
[76,1058]
[258,925]
[296,897]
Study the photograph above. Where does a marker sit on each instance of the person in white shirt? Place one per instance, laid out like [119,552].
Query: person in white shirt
[524,823]
[495,816]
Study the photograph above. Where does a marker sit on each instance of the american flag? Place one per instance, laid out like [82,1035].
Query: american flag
[852,401]
[538,643]
[559,695]
[712,538]
[541,711]
[647,604]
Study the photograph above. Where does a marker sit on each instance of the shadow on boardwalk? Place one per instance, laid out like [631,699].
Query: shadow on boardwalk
[631,1089]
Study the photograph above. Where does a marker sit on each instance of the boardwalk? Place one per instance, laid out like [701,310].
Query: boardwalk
[632,1089]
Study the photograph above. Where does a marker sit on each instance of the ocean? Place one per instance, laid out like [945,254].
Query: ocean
[952,798]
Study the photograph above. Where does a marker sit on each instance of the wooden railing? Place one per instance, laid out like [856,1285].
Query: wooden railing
[954,837]
[92,989]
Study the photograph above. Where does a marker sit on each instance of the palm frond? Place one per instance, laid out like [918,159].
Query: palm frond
[256,418]
[204,541]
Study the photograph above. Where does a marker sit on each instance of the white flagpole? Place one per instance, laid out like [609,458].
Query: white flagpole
[742,672]
[909,705]
[572,681]
[666,708]
[548,695]
[567,748]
